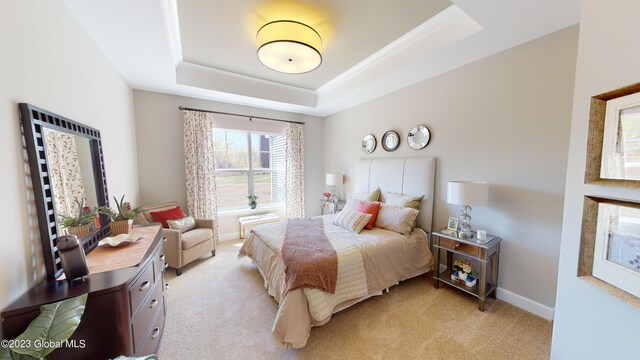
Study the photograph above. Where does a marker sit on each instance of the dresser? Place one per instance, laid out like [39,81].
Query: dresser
[125,309]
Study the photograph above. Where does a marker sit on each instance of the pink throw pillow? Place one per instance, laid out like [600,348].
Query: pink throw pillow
[369,208]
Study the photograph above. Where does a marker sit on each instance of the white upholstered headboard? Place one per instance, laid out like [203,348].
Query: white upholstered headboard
[412,176]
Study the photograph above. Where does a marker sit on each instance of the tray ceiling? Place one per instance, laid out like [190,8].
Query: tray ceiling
[206,48]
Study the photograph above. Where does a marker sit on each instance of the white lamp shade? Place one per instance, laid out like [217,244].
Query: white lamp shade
[334,179]
[467,193]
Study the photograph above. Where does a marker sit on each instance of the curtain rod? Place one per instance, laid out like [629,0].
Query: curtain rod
[182,108]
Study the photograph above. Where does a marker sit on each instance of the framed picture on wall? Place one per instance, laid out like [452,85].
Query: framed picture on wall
[613,156]
[610,247]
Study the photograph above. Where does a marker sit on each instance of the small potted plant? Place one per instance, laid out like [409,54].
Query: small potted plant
[253,200]
[122,219]
[463,268]
[81,224]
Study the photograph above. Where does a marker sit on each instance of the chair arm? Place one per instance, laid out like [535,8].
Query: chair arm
[173,247]
[204,223]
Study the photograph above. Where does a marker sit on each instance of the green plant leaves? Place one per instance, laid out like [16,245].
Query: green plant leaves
[55,324]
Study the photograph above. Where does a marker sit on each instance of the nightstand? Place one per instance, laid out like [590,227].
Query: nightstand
[330,207]
[485,253]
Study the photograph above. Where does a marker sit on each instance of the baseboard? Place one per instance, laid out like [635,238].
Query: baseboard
[229,236]
[525,303]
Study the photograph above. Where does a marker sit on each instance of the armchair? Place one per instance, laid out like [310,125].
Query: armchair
[181,249]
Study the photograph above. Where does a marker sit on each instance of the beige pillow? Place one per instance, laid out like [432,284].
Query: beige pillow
[370,197]
[403,200]
[396,218]
[352,220]
[185,224]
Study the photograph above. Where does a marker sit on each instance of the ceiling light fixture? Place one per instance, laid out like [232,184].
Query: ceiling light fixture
[289,47]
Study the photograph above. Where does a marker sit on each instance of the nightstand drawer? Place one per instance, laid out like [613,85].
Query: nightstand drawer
[460,247]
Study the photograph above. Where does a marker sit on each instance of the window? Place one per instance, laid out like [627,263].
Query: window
[249,163]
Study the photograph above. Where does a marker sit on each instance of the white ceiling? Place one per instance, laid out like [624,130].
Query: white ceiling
[206,48]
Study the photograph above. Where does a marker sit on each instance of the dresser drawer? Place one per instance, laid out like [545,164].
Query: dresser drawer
[460,247]
[140,288]
[152,339]
[144,318]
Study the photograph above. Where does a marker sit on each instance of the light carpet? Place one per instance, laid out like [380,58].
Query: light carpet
[219,309]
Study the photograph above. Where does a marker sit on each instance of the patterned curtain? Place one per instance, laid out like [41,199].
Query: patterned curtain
[64,166]
[294,169]
[200,167]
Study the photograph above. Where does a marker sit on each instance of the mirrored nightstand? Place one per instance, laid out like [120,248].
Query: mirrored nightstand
[330,207]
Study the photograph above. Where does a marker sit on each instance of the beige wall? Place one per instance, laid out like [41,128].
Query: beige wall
[49,61]
[505,120]
[161,150]
[591,324]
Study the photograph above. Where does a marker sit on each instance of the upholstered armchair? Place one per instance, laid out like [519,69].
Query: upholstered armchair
[182,248]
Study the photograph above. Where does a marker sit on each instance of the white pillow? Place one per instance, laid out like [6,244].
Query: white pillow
[351,204]
[352,220]
[402,200]
[396,218]
[370,197]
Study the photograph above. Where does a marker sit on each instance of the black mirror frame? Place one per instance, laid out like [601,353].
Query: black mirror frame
[33,121]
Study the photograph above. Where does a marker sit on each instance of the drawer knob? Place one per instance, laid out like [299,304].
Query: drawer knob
[144,286]
[166,265]
[162,257]
[156,332]
[456,246]
[154,303]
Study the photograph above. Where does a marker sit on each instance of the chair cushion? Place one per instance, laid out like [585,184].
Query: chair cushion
[171,214]
[195,237]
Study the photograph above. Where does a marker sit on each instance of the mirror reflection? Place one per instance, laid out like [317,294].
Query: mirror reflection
[72,181]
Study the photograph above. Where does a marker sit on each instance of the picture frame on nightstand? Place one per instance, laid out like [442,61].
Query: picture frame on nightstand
[452,225]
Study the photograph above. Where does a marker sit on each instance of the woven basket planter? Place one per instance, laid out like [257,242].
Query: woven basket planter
[120,227]
[82,230]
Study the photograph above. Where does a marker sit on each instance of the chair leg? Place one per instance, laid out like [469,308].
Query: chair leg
[213,253]
[178,272]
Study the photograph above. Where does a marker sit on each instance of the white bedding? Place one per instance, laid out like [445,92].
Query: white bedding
[351,282]
[367,263]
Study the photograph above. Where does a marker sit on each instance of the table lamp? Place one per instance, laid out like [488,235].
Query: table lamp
[333,180]
[467,193]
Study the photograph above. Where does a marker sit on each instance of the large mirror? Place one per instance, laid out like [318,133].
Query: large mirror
[67,172]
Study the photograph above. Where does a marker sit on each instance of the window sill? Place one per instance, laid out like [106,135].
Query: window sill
[243,212]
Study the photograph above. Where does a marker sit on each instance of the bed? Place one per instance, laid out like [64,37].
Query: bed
[367,263]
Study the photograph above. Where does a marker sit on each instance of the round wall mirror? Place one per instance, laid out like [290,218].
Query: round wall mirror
[369,144]
[419,137]
[390,140]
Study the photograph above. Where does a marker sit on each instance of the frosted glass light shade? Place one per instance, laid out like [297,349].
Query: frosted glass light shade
[289,47]
[467,193]
[334,179]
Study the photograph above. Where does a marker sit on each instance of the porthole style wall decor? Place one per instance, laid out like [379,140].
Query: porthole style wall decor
[418,137]
[390,140]
[369,144]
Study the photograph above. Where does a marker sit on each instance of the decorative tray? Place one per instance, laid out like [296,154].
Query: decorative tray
[122,239]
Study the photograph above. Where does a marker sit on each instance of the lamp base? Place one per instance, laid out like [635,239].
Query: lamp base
[465,226]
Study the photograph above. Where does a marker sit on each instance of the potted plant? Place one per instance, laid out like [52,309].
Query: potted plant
[463,268]
[122,219]
[253,200]
[55,324]
[83,223]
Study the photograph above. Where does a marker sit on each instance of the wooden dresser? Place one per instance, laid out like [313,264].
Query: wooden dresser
[125,310]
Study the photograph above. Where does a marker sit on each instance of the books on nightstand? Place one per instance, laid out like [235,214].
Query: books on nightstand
[469,281]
